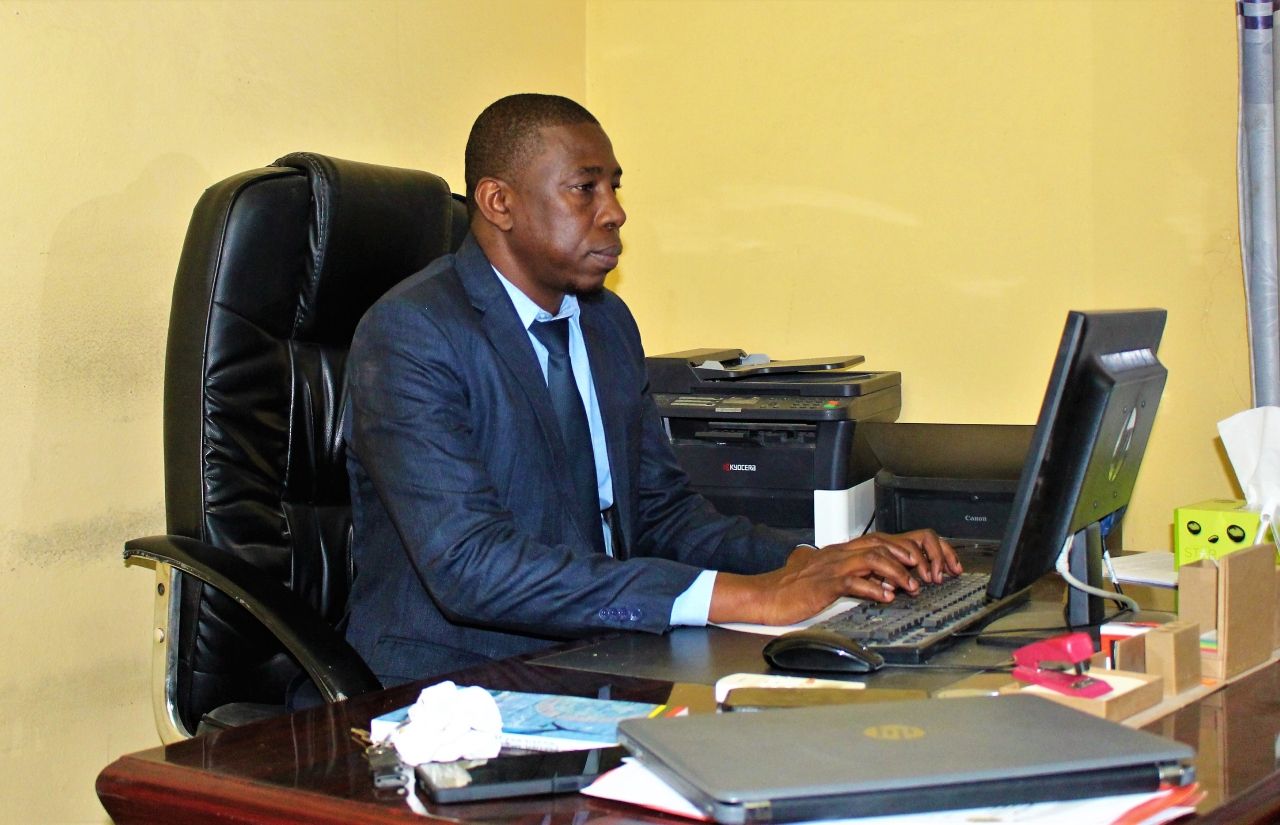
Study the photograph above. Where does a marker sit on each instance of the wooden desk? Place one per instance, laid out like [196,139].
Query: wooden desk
[305,767]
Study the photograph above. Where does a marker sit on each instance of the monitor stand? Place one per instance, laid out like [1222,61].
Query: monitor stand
[1085,610]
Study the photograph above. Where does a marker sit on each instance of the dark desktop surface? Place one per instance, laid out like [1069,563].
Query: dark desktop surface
[306,768]
[705,655]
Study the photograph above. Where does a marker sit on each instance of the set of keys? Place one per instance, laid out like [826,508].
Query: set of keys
[390,775]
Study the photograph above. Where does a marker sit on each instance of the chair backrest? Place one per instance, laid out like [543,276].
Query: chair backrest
[278,266]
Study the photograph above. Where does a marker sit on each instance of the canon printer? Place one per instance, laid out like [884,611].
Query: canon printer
[774,440]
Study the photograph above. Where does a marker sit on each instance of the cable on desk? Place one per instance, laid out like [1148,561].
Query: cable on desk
[989,637]
[1105,526]
[1063,568]
[1002,667]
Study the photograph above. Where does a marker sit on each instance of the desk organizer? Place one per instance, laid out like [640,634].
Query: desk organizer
[1232,599]
[1170,651]
[1130,692]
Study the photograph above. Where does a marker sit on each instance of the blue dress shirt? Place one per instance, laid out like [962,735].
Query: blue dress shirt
[690,607]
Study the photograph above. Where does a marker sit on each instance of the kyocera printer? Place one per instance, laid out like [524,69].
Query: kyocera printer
[774,440]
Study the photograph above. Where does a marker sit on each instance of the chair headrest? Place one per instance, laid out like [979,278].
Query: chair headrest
[371,227]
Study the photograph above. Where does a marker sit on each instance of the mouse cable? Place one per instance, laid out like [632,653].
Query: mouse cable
[1006,666]
[991,637]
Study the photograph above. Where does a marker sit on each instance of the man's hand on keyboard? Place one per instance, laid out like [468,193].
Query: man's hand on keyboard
[873,567]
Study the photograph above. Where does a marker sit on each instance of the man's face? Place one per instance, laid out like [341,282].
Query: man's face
[566,216]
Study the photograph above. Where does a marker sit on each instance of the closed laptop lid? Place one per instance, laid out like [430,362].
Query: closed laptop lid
[736,760]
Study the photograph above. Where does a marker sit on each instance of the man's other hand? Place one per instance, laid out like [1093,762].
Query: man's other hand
[874,567]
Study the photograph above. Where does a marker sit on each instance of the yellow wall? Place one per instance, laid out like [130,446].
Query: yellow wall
[115,117]
[934,185]
[802,178]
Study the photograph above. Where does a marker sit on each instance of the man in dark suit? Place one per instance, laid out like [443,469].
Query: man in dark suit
[491,515]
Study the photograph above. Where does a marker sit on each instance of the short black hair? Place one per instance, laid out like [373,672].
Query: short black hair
[505,135]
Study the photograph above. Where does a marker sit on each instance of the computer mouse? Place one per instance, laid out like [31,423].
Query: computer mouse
[814,649]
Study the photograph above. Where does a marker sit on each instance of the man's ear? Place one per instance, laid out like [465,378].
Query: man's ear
[493,200]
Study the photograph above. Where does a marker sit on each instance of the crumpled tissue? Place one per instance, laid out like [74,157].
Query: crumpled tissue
[449,723]
[1252,441]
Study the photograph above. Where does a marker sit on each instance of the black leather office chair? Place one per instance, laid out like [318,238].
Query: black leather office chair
[277,268]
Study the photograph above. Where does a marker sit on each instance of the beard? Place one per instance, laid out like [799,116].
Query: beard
[578,290]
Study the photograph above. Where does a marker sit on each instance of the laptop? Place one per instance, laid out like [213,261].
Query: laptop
[898,757]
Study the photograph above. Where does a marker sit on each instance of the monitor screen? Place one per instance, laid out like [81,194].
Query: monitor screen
[1088,441]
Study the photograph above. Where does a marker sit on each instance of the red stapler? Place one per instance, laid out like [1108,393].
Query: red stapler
[1059,664]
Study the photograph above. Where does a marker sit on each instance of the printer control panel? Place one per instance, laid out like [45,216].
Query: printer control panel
[761,406]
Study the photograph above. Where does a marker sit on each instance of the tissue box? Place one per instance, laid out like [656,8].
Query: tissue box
[1211,529]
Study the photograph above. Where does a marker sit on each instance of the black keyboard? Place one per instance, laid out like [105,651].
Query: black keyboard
[910,629]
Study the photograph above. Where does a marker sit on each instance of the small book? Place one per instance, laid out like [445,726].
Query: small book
[550,722]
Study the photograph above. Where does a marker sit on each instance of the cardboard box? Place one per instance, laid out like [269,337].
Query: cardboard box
[1173,654]
[1275,642]
[1121,646]
[1198,595]
[1212,529]
[1131,693]
[1131,654]
[1235,596]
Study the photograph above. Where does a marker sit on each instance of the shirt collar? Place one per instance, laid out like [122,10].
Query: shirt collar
[528,310]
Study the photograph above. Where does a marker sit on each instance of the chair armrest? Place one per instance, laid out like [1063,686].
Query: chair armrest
[337,670]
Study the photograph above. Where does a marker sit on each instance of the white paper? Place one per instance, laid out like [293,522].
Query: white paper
[768,680]
[634,783]
[1154,567]
[840,605]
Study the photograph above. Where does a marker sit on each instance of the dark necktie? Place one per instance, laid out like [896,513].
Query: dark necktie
[574,428]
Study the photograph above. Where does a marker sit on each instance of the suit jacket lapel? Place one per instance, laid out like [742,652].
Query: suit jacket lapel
[604,356]
[510,340]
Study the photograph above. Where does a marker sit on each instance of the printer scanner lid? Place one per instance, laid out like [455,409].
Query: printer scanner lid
[734,372]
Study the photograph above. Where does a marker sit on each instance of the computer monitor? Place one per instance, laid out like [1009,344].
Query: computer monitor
[1084,455]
